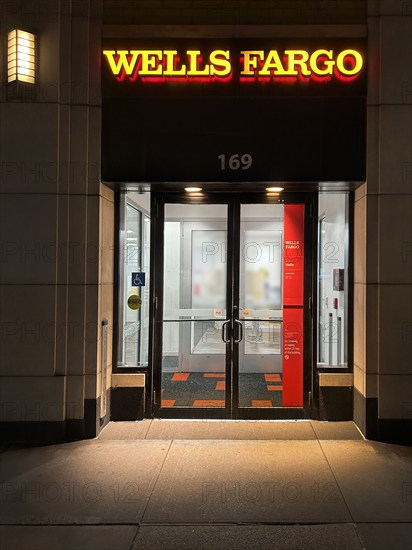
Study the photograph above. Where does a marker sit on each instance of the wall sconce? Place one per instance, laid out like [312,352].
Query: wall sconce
[21,57]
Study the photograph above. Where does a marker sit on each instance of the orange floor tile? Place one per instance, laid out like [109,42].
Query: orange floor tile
[168,402]
[272,377]
[275,388]
[261,403]
[220,385]
[180,376]
[214,375]
[209,403]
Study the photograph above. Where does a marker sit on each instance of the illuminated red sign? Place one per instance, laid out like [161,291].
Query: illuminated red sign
[266,65]
[293,278]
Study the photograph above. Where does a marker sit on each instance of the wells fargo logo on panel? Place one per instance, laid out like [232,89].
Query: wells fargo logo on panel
[261,65]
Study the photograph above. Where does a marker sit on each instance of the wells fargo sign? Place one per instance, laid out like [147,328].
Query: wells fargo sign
[154,65]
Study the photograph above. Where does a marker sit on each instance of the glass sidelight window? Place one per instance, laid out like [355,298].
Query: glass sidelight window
[333,259]
[134,280]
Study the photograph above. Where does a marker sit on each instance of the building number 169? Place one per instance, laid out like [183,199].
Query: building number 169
[235,162]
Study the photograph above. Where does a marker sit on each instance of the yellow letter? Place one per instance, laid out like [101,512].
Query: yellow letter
[250,61]
[292,62]
[358,62]
[328,65]
[149,60]
[123,62]
[220,67]
[274,63]
[193,69]
[170,69]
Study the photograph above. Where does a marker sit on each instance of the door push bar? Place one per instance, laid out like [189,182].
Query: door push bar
[225,338]
[224,332]
[238,340]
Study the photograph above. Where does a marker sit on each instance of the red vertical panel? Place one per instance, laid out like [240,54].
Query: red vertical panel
[292,395]
[293,277]
[293,254]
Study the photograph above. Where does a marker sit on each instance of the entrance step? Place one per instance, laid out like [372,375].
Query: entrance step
[231,430]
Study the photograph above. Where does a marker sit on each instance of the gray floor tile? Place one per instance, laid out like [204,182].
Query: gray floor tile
[336,430]
[126,430]
[84,482]
[234,430]
[374,479]
[250,537]
[382,536]
[247,481]
[73,537]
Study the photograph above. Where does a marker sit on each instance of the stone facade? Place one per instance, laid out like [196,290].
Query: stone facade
[57,225]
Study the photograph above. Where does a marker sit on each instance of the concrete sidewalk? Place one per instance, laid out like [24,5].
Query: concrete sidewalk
[209,485]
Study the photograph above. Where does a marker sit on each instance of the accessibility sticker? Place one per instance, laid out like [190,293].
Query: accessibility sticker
[134,302]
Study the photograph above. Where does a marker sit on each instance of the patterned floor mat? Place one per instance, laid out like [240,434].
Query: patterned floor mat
[197,389]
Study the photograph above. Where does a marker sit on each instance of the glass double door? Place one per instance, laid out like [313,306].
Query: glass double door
[230,318]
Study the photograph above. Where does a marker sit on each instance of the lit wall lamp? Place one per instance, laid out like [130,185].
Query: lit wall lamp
[21,57]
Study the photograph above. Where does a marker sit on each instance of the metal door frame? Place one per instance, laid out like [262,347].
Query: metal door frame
[232,409]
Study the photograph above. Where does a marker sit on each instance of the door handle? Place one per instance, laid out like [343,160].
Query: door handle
[238,340]
[224,335]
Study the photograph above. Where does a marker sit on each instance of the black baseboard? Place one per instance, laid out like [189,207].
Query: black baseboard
[48,433]
[84,428]
[127,404]
[91,425]
[395,430]
[365,415]
[43,433]
[335,403]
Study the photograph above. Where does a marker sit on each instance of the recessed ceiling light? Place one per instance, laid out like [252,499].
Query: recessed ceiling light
[193,189]
[275,189]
